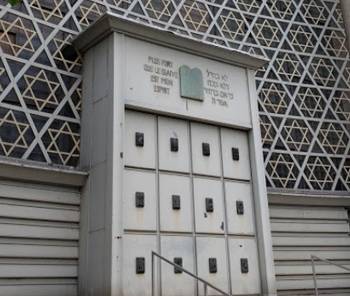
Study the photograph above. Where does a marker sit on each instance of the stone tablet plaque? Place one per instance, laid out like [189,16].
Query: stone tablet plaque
[191,83]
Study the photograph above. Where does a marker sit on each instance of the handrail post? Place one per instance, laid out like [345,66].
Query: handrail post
[314,275]
[205,289]
[152,260]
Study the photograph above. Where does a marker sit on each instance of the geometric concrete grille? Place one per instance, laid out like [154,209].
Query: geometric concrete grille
[304,92]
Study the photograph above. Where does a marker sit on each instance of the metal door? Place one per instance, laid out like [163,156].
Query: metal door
[239,208]
[139,200]
[244,263]
[140,140]
[235,154]
[174,147]
[175,203]
[205,149]
[179,250]
[209,208]
[212,263]
[137,268]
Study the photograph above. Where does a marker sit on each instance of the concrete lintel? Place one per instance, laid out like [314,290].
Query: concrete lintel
[109,23]
[28,172]
[308,198]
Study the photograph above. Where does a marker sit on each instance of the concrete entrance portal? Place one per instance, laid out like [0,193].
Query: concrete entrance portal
[170,135]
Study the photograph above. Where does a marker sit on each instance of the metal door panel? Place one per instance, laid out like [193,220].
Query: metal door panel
[179,219]
[139,218]
[208,221]
[177,284]
[235,168]
[239,222]
[137,246]
[215,248]
[244,283]
[205,164]
[140,156]
[173,159]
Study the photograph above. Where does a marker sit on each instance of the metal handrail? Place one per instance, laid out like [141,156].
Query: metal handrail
[314,275]
[205,283]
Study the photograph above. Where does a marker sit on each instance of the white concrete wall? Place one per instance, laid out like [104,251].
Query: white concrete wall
[300,230]
[96,158]
[39,239]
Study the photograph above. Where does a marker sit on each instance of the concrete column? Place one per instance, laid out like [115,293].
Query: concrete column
[345,6]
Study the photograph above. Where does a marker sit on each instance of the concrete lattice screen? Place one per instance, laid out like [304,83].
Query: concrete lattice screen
[304,91]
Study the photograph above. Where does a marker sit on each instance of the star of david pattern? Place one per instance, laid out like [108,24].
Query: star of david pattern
[304,92]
